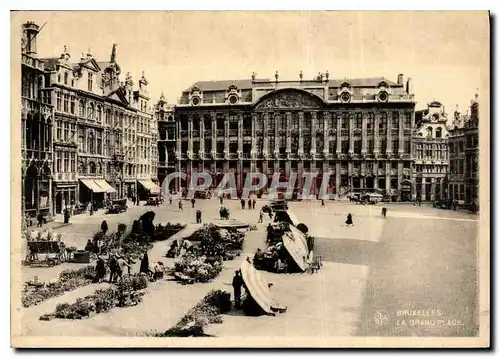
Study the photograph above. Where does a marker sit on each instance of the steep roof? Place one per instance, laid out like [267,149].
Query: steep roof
[50,63]
[247,84]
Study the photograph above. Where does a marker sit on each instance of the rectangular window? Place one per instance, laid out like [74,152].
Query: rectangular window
[66,162]
[59,162]
[344,146]
[66,103]
[345,120]
[73,105]
[58,100]
[59,130]
[407,121]
[90,82]
[382,125]
[332,147]
[382,146]
[359,121]
[407,147]
[370,124]
[371,146]
[66,131]
[357,146]
[395,120]
[73,162]
[395,146]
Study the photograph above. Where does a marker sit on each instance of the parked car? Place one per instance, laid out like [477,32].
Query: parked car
[443,204]
[278,205]
[117,206]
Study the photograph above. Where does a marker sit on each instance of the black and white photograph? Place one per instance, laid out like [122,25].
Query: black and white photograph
[250,179]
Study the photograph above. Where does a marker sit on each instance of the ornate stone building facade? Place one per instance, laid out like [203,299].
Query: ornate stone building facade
[464,157]
[357,130]
[164,114]
[36,129]
[103,132]
[431,153]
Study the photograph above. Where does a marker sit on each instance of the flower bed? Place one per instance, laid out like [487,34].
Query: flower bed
[205,263]
[128,292]
[163,232]
[207,311]
[68,281]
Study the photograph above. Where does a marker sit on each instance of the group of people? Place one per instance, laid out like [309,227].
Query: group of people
[274,259]
[251,203]
[180,248]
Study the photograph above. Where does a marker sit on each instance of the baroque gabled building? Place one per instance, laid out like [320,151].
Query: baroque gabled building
[167,139]
[103,131]
[430,144]
[36,129]
[359,131]
[464,157]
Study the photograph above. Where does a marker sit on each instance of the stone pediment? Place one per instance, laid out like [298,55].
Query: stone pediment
[289,99]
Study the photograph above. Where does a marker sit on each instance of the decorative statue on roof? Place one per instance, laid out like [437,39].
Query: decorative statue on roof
[253,76]
[113,54]
[301,75]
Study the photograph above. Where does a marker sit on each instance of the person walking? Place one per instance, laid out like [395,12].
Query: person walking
[261,216]
[169,200]
[198,216]
[253,203]
[349,220]
[180,205]
[193,201]
[384,212]
[322,202]
[242,201]
[66,216]
[221,199]
[237,285]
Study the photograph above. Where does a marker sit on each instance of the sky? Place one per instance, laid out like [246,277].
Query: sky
[445,53]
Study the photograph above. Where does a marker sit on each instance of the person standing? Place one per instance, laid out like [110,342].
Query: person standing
[198,216]
[237,285]
[349,220]
[113,268]
[66,216]
[242,201]
[193,201]
[122,264]
[104,227]
[145,265]
[384,211]
[261,216]
[253,203]
[39,217]
[322,202]
[100,269]
[180,205]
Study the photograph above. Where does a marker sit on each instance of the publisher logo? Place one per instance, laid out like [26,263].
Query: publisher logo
[381,317]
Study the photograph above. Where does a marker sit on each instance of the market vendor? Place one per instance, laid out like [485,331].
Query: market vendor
[188,245]
[90,246]
[259,259]
[100,269]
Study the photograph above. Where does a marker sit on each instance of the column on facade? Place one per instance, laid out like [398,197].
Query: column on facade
[240,133]
[388,176]
[339,137]
[178,142]
[400,179]
[226,133]
[375,174]
[255,117]
[389,134]
[433,188]
[213,117]
[266,133]
[326,142]
[301,132]
[424,189]
[364,139]
[313,132]
[401,133]
[337,179]
[202,134]
[288,132]
[376,134]
[276,136]
[190,133]
[351,133]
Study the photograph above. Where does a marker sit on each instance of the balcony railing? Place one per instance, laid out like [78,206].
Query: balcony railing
[65,176]
[219,156]
[247,132]
[220,132]
[233,132]
[344,132]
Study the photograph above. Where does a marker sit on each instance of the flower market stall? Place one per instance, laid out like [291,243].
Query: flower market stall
[44,248]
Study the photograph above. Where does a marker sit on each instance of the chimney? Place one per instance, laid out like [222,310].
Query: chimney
[409,86]
[400,79]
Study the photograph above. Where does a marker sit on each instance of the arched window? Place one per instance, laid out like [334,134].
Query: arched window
[80,139]
[92,168]
[99,113]
[438,133]
[99,168]
[81,168]
[91,142]
[81,109]
[429,131]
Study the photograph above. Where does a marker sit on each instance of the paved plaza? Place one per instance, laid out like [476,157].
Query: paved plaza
[411,274]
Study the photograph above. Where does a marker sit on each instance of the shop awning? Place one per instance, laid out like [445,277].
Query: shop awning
[105,186]
[92,185]
[149,185]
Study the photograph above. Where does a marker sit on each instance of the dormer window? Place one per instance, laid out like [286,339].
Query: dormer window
[59,78]
[65,78]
